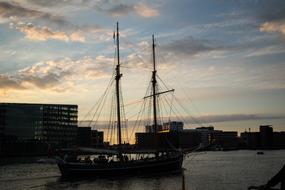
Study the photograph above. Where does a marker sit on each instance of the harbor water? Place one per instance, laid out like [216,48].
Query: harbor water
[203,170]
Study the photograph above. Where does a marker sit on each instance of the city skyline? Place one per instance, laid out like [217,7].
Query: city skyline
[227,56]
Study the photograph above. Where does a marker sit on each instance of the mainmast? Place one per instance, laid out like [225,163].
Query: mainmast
[154,87]
[118,77]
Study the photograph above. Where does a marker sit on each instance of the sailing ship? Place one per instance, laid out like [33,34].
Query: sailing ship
[118,162]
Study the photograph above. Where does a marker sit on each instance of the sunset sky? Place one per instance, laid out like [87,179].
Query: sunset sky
[227,56]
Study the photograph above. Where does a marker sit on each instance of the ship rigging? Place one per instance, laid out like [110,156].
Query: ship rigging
[120,161]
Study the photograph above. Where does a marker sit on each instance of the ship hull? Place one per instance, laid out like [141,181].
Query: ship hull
[118,169]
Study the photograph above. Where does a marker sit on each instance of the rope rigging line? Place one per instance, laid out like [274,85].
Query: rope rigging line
[138,120]
[171,105]
[136,68]
[165,103]
[163,83]
[191,101]
[165,108]
[111,117]
[101,108]
[134,102]
[105,93]
[160,111]
[132,116]
[133,46]
[176,112]
[140,59]
[87,114]
[136,50]
[165,86]
[164,96]
[195,120]
[149,109]
[101,100]
[186,94]
[145,112]
[122,107]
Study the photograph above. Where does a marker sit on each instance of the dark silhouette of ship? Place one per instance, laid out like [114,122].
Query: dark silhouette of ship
[119,161]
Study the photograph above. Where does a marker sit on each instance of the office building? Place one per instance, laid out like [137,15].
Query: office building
[55,124]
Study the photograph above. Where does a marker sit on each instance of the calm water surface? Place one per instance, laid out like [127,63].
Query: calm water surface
[208,170]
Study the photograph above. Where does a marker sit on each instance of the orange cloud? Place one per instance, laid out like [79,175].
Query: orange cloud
[273,27]
[8,82]
[145,11]
[13,10]
[44,33]
[77,36]
[57,75]
[140,9]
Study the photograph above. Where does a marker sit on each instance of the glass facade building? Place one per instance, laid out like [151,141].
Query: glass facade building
[52,123]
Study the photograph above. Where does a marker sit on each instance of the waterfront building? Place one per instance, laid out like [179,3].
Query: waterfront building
[151,128]
[84,136]
[218,138]
[166,127]
[2,124]
[227,139]
[251,139]
[88,137]
[189,139]
[266,136]
[97,138]
[173,126]
[206,134]
[279,140]
[55,124]
[213,139]
[167,140]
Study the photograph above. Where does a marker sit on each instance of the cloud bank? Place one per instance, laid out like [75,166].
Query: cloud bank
[57,75]
[16,12]
[139,9]
[278,27]
[37,33]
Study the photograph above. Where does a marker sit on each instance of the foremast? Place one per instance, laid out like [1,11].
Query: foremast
[117,78]
[154,86]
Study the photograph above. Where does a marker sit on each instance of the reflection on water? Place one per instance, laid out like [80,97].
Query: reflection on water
[154,183]
[211,170]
